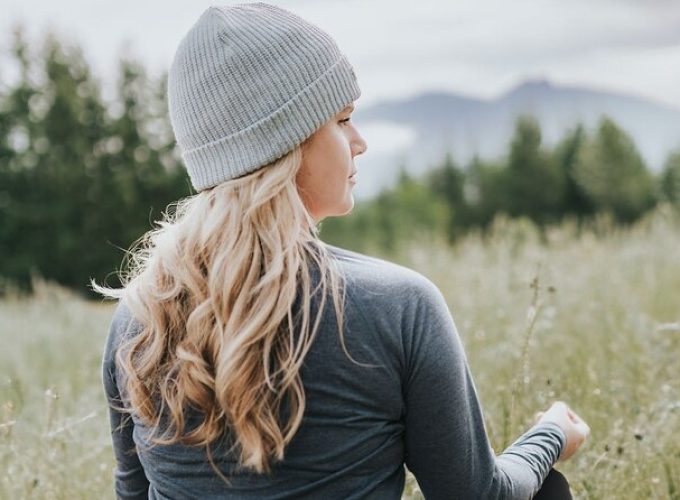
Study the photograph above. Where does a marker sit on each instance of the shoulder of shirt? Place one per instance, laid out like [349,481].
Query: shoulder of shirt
[374,273]
[364,274]
[123,323]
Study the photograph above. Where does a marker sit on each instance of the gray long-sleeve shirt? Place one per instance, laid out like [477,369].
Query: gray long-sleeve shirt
[417,408]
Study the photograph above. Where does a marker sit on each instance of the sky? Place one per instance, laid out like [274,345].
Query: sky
[478,48]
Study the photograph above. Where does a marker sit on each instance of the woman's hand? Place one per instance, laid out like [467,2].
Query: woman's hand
[573,426]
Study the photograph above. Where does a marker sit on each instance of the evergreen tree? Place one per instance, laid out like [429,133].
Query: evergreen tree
[79,185]
[566,152]
[408,212]
[54,110]
[670,179]
[611,172]
[485,191]
[447,182]
[534,182]
[15,129]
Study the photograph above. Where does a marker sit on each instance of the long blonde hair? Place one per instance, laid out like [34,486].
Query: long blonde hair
[214,287]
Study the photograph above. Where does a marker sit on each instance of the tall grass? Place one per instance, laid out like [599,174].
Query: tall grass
[588,316]
[54,440]
[600,311]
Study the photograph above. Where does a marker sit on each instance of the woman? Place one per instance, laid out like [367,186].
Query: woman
[248,359]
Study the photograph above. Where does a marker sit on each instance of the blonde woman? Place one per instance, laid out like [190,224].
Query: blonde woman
[248,359]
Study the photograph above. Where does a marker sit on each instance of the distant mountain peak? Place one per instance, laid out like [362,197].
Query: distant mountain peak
[532,85]
[468,126]
[540,82]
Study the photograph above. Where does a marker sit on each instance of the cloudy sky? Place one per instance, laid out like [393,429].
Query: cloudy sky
[479,48]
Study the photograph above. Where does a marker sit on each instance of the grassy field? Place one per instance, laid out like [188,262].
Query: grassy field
[592,318]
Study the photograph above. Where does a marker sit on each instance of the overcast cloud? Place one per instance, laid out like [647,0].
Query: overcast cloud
[474,47]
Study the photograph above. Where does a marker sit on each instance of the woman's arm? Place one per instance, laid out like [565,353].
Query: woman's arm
[130,480]
[447,447]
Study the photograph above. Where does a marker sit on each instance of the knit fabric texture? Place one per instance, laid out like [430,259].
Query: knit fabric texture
[248,83]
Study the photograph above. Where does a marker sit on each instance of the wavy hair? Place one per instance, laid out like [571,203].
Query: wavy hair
[214,288]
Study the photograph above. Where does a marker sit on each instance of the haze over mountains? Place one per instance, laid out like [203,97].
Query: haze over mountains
[417,132]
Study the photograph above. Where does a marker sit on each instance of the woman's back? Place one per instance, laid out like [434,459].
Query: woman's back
[415,404]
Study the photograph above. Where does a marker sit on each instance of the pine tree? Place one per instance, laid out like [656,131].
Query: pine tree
[447,182]
[611,172]
[566,152]
[670,179]
[535,183]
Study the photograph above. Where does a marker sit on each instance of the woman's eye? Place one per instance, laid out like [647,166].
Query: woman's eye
[345,120]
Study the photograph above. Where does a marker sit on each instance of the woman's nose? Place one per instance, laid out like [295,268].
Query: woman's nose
[360,145]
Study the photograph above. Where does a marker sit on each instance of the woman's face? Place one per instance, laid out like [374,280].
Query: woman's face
[327,163]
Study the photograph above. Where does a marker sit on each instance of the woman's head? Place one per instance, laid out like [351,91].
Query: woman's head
[250,82]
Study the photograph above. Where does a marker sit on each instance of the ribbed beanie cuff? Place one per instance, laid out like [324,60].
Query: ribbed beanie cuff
[248,84]
[270,138]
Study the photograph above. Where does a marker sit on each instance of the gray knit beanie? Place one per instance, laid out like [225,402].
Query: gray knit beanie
[248,83]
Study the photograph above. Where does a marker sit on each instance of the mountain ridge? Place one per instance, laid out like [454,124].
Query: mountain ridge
[465,126]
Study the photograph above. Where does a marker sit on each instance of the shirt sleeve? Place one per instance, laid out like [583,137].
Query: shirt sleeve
[130,482]
[446,445]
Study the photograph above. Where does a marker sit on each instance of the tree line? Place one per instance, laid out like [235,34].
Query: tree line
[585,174]
[82,178]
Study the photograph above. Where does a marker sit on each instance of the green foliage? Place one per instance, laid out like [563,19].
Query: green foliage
[81,179]
[406,212]
[576,201]
[534,183]
[77,182]
[612,174]
[670,180]
[447,182]
[485,192]
[581,177]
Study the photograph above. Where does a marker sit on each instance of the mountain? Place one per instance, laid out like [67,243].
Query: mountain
[438,122]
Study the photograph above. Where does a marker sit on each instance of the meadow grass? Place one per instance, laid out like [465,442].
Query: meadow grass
[589,316]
